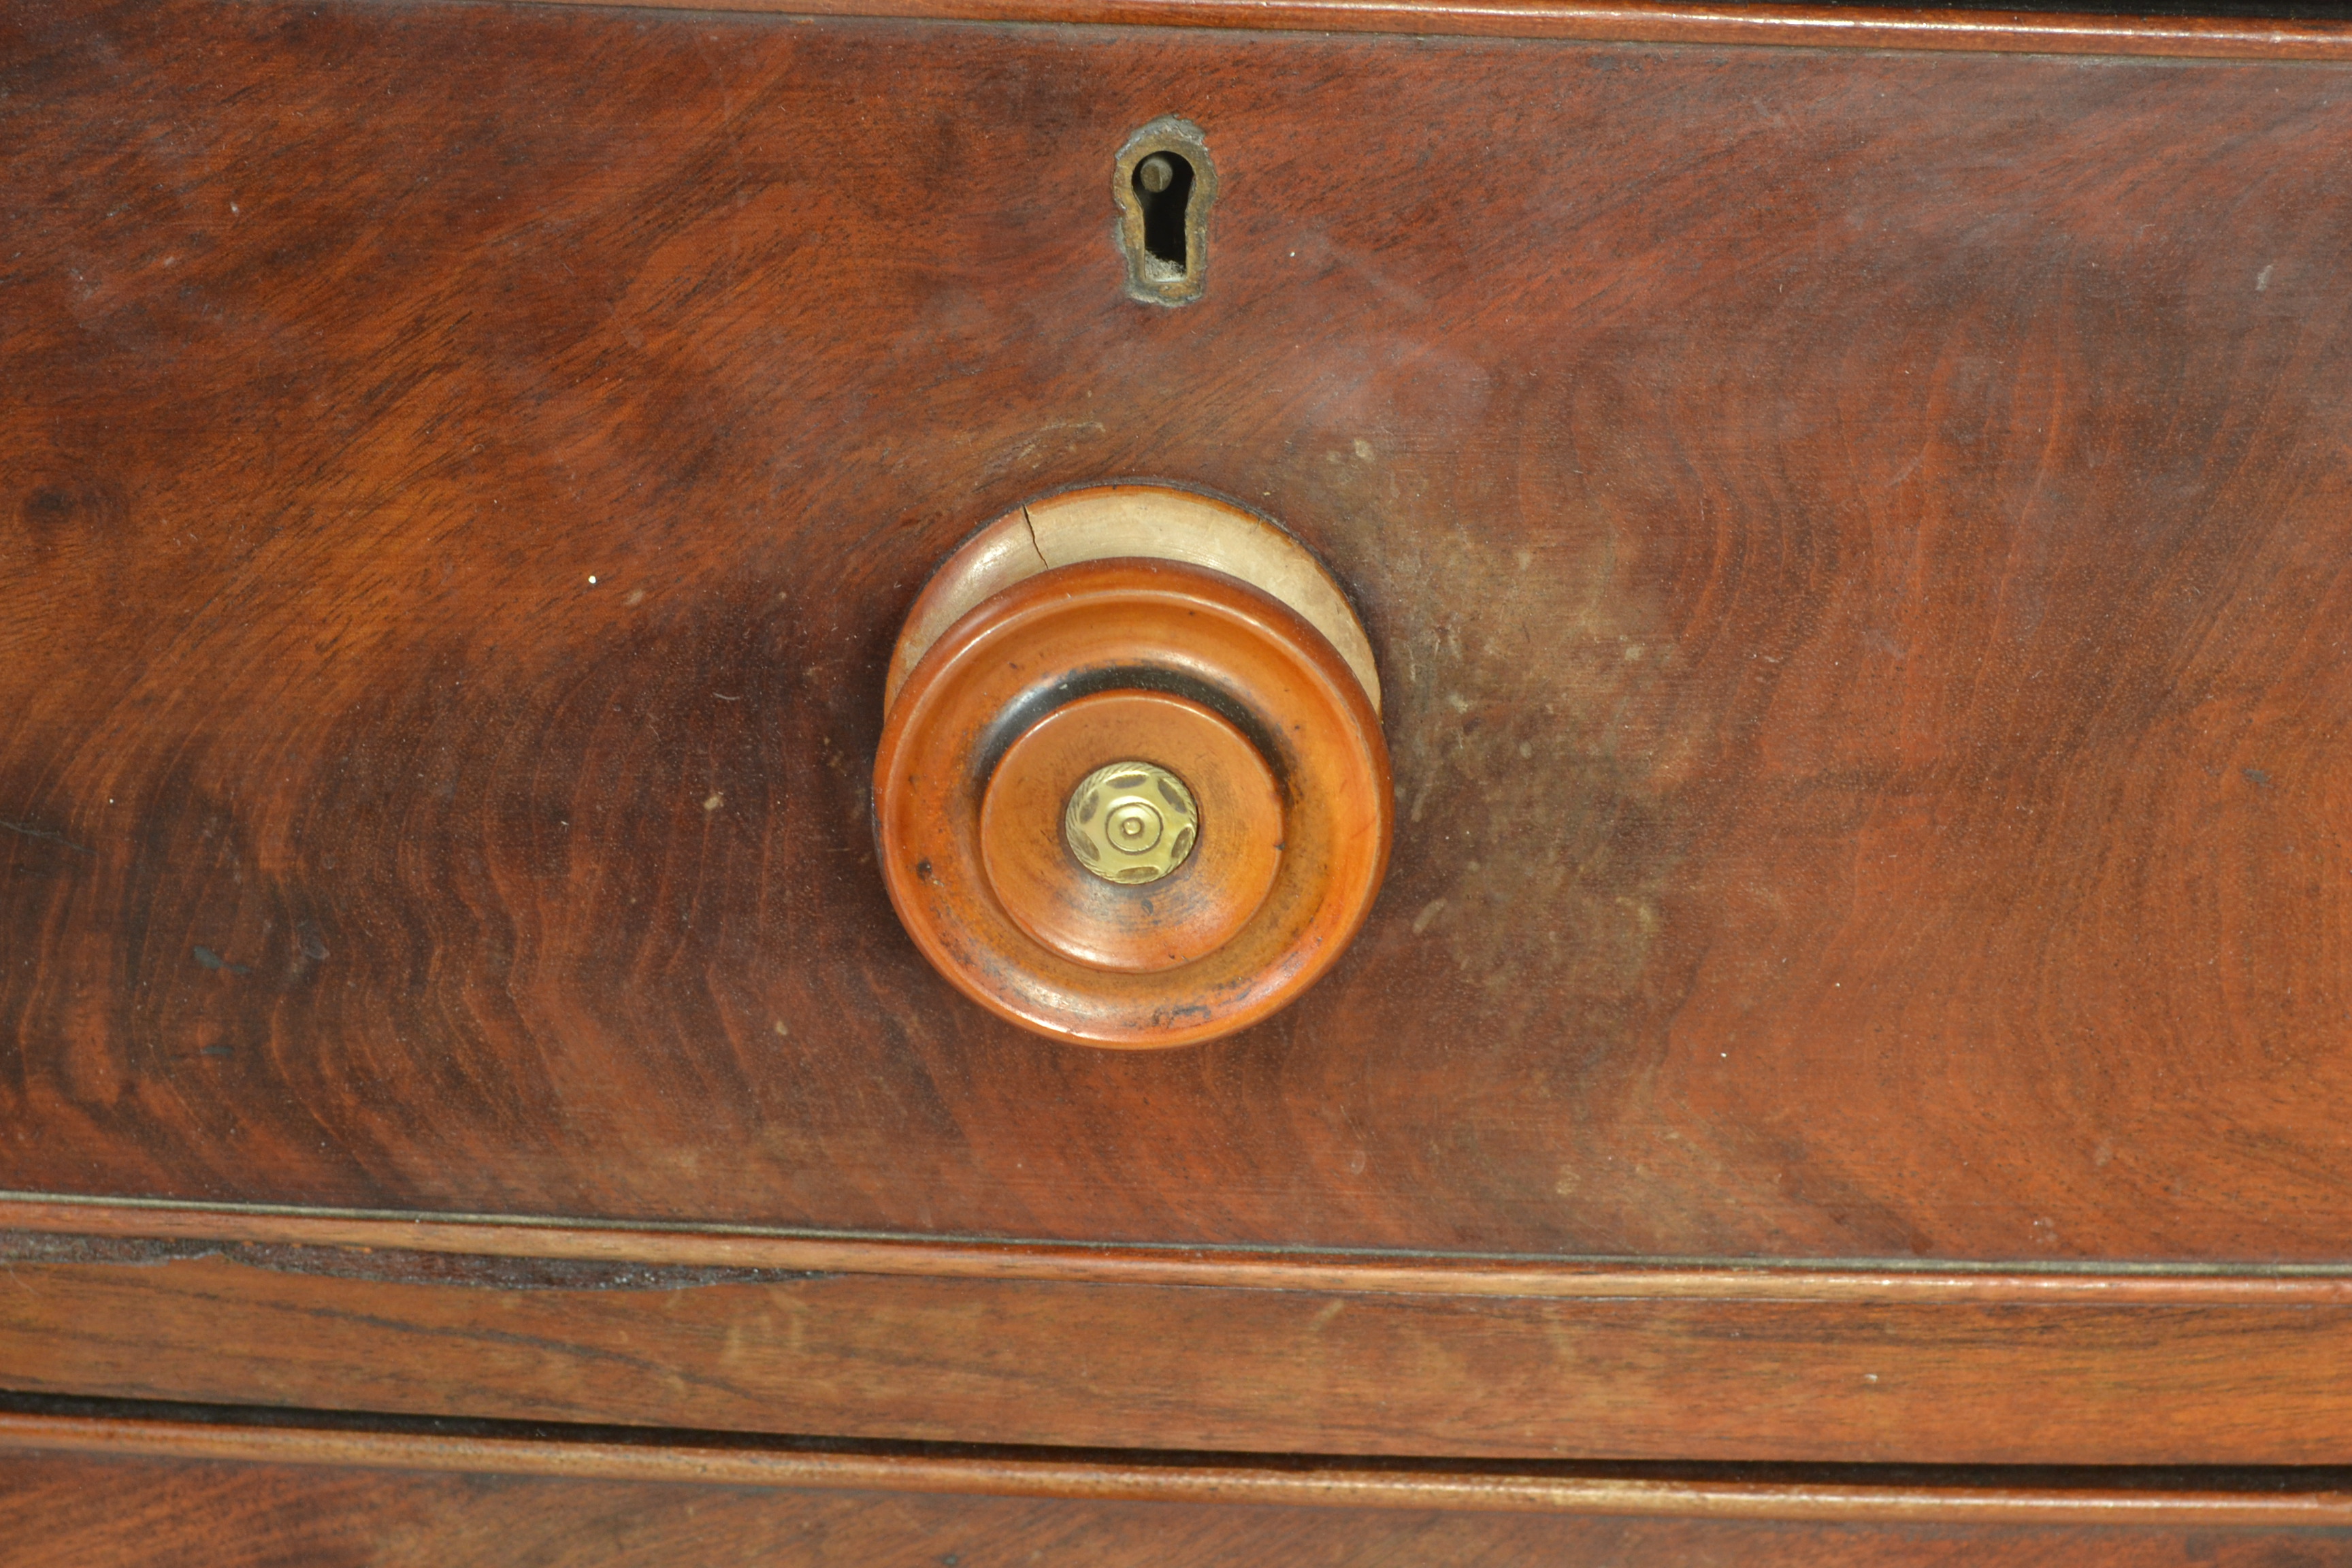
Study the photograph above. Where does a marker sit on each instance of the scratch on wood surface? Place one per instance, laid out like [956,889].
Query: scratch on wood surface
[44,835]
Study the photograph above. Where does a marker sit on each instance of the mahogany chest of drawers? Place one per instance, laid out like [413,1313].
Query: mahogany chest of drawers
[1810,1020]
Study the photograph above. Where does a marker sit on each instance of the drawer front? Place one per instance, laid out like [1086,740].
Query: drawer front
[77,1491]
[1855,546]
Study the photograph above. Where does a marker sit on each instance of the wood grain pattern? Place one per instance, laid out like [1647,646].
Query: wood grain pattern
[78,1512]
[2168,29]
[2215,1500]
[1188,1367]
[1857,545]
[92,1221]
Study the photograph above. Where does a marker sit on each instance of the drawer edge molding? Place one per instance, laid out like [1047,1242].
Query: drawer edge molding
[1141,1365]
[1095,1477]
[1627,21]
[1340,1272]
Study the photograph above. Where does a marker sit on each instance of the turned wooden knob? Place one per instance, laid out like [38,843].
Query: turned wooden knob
[1127,794]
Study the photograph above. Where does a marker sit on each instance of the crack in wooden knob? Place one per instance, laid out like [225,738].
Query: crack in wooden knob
[1193,702]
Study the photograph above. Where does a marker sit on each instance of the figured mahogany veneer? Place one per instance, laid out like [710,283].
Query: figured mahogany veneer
[1857,545]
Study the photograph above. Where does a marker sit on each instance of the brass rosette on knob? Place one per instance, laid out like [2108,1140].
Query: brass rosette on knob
[1131,823]
[1132,789]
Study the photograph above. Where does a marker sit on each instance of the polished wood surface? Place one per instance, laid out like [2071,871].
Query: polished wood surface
[1855,542]
[82,1512]
[2300,31]
[1101,522]
[2226,1499]
[1610,1374]
[1224,878]
[981,705]
[104,1223]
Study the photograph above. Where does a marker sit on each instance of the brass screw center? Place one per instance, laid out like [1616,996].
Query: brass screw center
[1131,822]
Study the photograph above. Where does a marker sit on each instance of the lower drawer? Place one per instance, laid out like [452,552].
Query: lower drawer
[1063,1348]
[88,1491]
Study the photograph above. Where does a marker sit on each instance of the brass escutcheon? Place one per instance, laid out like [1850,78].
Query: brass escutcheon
[1131,822]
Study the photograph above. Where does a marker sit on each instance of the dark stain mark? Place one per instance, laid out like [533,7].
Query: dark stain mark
[38,1247]
[2256,778]
[211,960]
[87,507]
[388,1265]
[495,1273]
[923,870]
[217,1051]
[27,830]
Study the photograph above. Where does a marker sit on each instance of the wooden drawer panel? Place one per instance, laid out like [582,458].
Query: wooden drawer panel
[208,1495]
[1078,1348]
[1855,543]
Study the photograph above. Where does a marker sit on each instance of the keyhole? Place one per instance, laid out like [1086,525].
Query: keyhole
[1165,182]
[1163,185]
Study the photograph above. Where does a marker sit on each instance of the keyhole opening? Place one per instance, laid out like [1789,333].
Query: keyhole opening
[1163,185]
